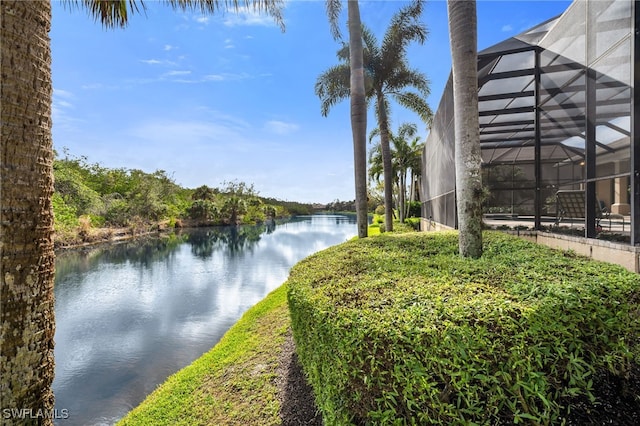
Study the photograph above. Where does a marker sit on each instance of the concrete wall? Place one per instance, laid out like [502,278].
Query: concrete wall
[429,226]
[606,251]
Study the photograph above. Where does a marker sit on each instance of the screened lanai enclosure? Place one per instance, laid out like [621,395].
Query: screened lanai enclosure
[559,126]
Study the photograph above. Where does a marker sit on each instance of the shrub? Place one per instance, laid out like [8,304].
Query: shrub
[399,329]
[413,222]
[65,216]
[379,210]
[414,209]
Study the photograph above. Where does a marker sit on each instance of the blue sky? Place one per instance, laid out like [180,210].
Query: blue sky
[210,99]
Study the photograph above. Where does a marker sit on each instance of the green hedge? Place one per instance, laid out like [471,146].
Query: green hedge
[398,329]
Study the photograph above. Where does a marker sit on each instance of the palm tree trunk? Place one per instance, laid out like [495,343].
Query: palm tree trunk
[463,36]
[26,217]
[412,187]
[358,115]
[401,196]
[387,167]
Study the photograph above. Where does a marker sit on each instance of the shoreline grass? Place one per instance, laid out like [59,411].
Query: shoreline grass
[233,383]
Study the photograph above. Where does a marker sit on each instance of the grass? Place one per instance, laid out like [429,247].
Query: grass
[234,383]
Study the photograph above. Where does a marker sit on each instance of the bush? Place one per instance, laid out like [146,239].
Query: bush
[379,210]
[378,219]
[65,216]
[415,208]
[413,222]
[398,329]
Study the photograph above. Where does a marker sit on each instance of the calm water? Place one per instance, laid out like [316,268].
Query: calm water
[130,315]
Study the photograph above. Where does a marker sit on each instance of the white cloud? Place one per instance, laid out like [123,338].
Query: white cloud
[223,117]
[226,77]
[168,47]
[162,62]
[62,93]
[99,86]
[248,17]
[214,77]
[280,127]
[60,110]
[202,19]
[507,28]
[64,104]
[175,72]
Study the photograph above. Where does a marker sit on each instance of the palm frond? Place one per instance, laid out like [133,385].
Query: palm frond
[407,130]
[417,104]
[343,52]
[210,7]
[374,133]
[405,27]
[370,43]
[110,13]
[115,13]
[375,163]
[402,77]
[332,86]
[334,7]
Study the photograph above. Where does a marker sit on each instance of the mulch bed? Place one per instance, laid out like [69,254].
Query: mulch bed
[297,403]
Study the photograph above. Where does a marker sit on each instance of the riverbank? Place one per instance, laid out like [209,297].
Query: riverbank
[87,237]
[96,236]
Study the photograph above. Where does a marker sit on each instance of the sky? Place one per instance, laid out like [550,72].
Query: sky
[218,98]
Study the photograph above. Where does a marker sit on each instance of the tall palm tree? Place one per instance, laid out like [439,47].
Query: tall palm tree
[387,75]
[26,186]
[354,87]
[464,54]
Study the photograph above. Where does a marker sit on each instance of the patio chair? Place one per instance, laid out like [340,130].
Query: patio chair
[570,205]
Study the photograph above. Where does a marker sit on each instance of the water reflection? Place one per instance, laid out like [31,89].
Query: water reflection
[130,315]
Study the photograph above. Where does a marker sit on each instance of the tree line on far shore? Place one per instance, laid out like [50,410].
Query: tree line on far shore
[89,196]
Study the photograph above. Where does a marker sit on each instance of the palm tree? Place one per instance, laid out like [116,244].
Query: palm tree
[388,75]
[463,37]
[26,186]
[353,75]
[406,158]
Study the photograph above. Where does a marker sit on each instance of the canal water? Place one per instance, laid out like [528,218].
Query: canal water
[131,314]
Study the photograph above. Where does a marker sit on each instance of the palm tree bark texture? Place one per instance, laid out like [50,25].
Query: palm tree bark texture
[26,217]
[358,115]
[464,54]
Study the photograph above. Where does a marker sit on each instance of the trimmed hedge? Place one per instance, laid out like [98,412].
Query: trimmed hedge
[398,329]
